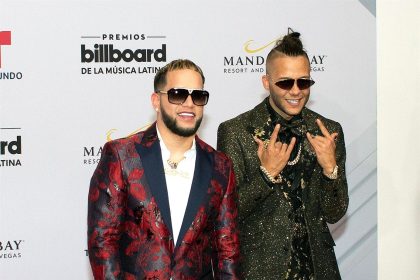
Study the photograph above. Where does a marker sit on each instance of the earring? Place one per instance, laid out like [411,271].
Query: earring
[156,109]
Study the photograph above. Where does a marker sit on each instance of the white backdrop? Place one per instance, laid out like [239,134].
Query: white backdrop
[398,138]
[63,116]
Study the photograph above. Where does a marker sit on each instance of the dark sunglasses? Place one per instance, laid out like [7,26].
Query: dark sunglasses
[302,83]
[179,95]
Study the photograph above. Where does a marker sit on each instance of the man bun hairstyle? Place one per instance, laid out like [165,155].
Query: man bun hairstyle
[178,64]
[289,45]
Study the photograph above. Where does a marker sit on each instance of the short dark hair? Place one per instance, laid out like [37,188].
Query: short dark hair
[289,45]
[179,64]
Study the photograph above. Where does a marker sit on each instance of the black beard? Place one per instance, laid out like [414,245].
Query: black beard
[174,128]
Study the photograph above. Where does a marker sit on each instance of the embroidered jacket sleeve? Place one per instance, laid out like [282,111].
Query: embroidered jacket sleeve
[226,232]
[252,187]
[105,215]
[334,193]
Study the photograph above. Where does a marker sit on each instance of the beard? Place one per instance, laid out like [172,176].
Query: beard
[172,125]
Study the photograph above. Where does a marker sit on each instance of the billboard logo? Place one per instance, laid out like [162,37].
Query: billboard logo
[122,53]
[107,53]
[13,147]
[10,147]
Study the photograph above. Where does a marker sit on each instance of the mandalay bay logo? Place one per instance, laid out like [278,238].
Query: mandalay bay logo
[252,59]
[92,153]
[11,249]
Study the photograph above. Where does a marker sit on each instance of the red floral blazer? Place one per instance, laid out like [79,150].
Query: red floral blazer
[129,221]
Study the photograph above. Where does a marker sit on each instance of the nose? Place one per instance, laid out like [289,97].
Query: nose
[188,102]
[295,89]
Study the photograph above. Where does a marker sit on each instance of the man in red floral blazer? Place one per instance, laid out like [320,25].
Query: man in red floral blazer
[162,203]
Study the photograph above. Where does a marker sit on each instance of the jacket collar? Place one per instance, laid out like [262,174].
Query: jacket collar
[151,158]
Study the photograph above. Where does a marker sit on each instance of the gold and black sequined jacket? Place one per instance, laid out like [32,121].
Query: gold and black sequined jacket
[266,227]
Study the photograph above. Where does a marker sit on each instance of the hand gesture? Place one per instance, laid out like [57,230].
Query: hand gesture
[274,155]
[324,147]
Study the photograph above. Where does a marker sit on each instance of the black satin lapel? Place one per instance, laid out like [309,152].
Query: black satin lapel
[201,181]
[151,158]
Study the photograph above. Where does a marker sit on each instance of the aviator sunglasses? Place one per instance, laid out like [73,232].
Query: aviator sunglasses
[179,95]
[302,83]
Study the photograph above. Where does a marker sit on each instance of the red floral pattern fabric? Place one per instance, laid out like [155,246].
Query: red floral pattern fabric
[127,236]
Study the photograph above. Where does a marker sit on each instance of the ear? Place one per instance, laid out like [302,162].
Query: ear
[155,98]
[266,82]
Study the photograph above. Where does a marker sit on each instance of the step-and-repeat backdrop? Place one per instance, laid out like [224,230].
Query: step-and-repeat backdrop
[75,74]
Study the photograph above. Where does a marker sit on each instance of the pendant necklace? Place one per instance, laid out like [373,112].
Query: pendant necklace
[174,164]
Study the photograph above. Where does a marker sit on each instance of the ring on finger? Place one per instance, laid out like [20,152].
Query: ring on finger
[266,142]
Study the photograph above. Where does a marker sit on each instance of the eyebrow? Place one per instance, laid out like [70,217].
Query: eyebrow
[286,78]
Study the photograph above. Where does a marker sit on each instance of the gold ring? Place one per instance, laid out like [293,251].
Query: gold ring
[266,142]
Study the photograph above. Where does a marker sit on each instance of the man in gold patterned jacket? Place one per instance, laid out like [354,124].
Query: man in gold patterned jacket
[290,168]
